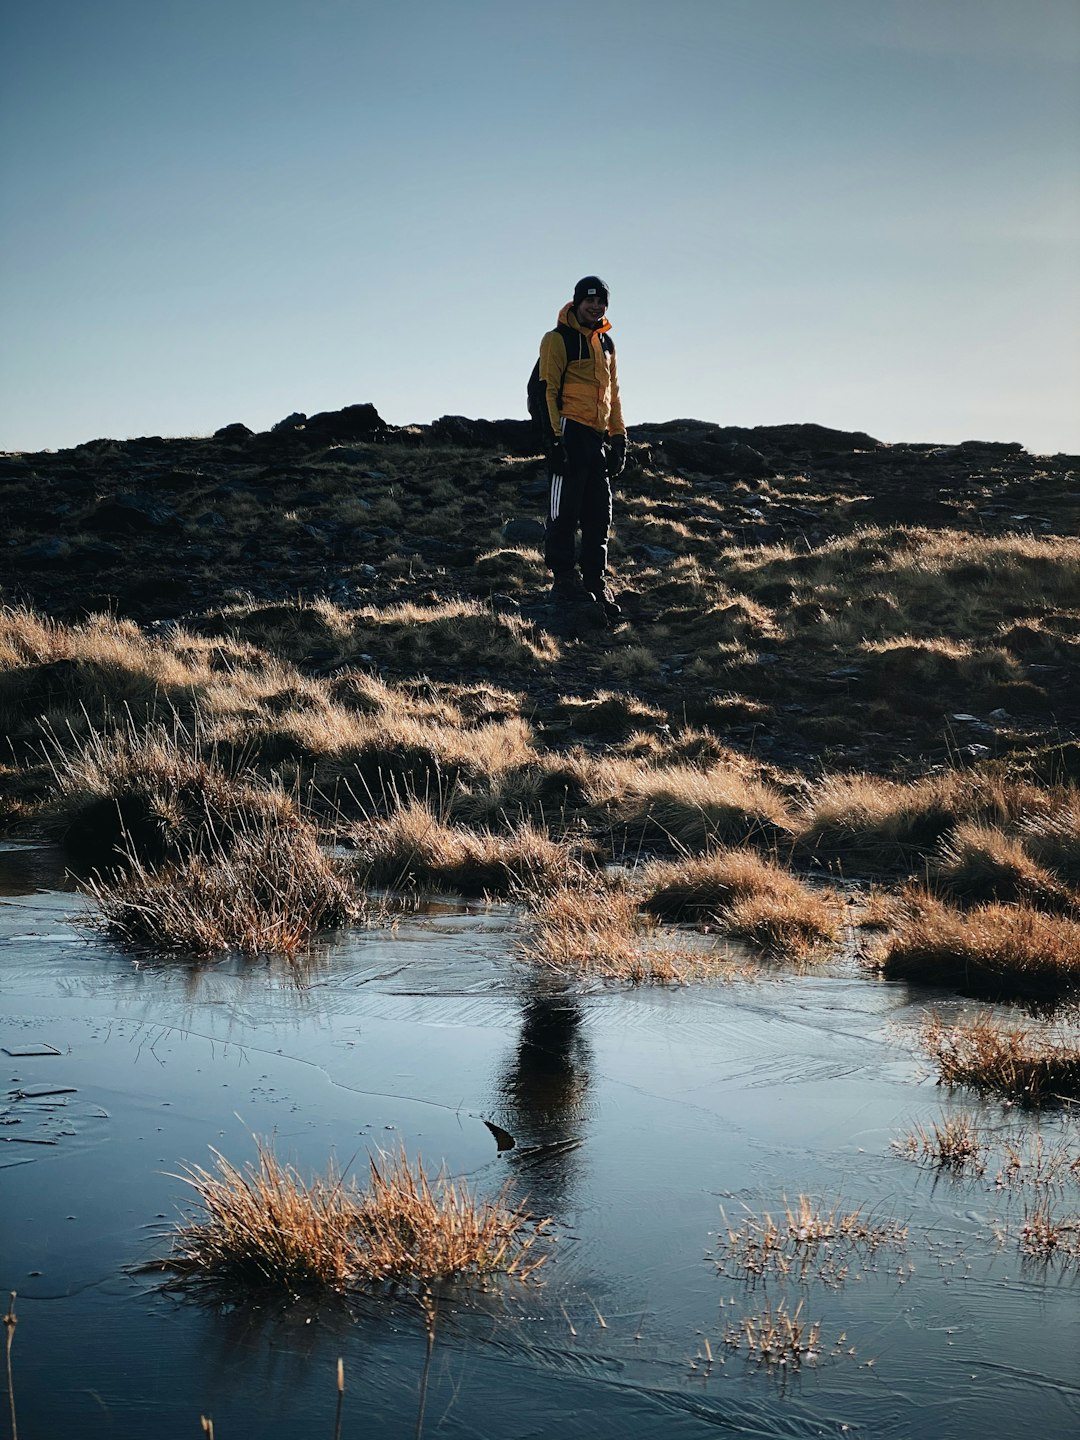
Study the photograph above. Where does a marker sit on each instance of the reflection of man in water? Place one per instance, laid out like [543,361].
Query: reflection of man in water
[543,1094]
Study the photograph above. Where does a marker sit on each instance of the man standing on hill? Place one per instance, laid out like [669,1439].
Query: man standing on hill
[587,444]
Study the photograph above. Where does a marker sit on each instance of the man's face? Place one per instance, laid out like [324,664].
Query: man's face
[590,310]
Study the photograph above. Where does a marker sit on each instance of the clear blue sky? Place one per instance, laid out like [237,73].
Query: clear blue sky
[864,213]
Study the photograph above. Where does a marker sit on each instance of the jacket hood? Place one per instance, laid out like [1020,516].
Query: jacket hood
[567,317]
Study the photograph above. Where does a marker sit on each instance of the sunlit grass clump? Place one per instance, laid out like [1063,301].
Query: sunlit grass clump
[156,794]
[414,849]
[1049,1237]
[992,949]
[981,862]
[1022,1062]
[692,807]
[270,891]
[954,1143]
[265,1227]
[591,933]
[959,1144]
[1053,840]
[873,823]
[747,895]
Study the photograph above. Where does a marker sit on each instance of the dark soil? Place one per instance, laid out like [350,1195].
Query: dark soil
[344,507]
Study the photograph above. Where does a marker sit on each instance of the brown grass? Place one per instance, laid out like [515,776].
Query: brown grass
[1023,1063]
[414,849]
[1048,1237]
[775,1337]
[1028,1159]
[54,671]
[271,890]
[691,807]
[1053,840]
[155,794]
[387,760]
[458,633]
[980,862]
[602,934]
[880,824]
[796,924]
[992,949]
[265,1226]
[956,1144]
[807,1237]
[746,895]
[905,583]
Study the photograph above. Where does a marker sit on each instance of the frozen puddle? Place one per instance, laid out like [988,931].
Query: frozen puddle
[628,1116]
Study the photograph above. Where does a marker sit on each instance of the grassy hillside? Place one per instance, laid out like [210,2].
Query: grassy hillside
[844,665]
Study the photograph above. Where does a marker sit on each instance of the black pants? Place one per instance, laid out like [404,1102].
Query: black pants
[580,498]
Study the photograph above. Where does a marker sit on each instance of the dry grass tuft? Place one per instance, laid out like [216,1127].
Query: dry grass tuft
[70,672]
[775,1337]
[955,1144]
[380,762]
[414,849]
[602,934]
[1020,1062]
[1053,840]
[268,892]
[795,924]
[993,949]
[266,1227]
[748,896]
[692,807]
[1027,1159]
[155,795]
[1048,1237]
[875,909]
[806,1238]
[882,824]
[904,584]
[980,862]
[458,633]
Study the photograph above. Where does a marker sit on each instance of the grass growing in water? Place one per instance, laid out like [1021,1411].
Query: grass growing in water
[603,934]
[993,949]
[775,1337]
[955,1144]
[265,1226]
[793,923]
[1020,1062]
[1049,1237]
[807,1236]
[270,891]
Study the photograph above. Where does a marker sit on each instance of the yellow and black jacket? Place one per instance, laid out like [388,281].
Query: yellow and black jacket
[577,367]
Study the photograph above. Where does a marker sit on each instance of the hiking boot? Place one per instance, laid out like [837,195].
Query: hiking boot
[567,589]
[607,603]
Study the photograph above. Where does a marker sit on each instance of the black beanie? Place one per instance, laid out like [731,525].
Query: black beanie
[591,285]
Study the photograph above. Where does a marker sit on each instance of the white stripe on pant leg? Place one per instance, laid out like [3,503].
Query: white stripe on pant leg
[556,495]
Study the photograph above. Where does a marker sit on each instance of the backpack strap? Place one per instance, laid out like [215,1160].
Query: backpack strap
[576,347]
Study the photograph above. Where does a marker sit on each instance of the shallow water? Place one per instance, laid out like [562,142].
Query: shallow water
[635,1115]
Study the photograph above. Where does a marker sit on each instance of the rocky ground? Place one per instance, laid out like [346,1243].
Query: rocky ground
[344,507]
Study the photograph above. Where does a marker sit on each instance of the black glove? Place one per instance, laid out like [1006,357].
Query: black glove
[616,456]
[556,456]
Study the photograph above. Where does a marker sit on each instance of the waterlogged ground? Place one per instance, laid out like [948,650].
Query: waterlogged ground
[635,1116]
